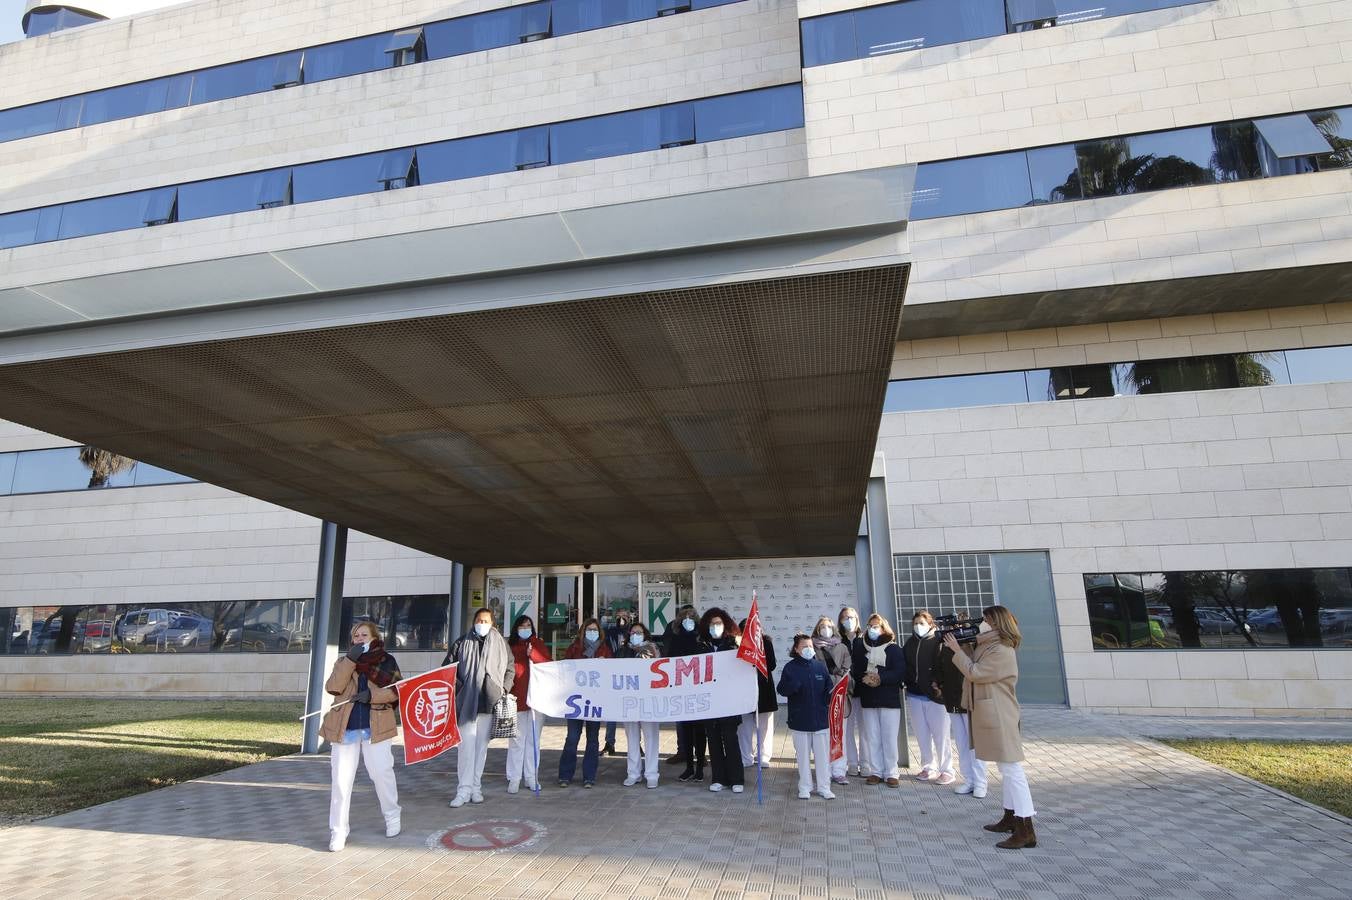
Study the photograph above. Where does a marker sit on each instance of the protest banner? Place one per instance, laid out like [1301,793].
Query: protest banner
[670,689]
[840,700]
[427,709]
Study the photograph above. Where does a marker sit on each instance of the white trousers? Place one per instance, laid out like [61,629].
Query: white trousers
[343,771]
[930,721]
[473,753]
[881,727]
[856,748]
[746,737]
[523,750]
[973,769]
[647,766]
[1016,793]
[816,744]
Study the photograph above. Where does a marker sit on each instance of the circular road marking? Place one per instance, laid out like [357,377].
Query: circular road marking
[489,836]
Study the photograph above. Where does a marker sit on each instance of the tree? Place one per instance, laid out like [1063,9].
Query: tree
[103,464]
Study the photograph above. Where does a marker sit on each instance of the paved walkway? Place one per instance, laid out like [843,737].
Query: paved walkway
[1119,817]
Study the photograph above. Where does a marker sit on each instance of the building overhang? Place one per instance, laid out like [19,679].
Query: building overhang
[692,377]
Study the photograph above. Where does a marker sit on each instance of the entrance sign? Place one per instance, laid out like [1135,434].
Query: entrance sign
[556,613]
[659,605]
[427,709]
[670,689]
[519,602]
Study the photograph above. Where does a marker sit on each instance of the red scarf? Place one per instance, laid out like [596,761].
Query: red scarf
[369,663]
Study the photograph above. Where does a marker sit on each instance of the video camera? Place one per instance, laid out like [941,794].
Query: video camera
[963,629]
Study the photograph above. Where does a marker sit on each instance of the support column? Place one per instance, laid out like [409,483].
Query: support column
[873,565]
[327,619]
[457,600]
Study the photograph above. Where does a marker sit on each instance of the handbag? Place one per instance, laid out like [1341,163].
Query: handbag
[504,717]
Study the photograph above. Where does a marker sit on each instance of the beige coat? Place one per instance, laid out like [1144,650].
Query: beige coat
[991,671]
[342,684]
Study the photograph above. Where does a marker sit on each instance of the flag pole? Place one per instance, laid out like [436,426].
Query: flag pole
[760,796]
[535,788]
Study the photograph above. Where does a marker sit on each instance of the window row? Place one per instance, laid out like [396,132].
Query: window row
[1220,610]
[1184,157]
[633,131]
[53,19]
[413,622]
[369,53]
[76,469]
[916,24]
[1147,376]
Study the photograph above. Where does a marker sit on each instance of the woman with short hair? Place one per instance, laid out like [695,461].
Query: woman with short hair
[878,670]
[484,673]
[991,672]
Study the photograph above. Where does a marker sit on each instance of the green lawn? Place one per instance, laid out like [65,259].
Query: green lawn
[59,755]
[1317,771]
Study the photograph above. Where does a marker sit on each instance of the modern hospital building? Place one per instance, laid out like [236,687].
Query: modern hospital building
[572,306]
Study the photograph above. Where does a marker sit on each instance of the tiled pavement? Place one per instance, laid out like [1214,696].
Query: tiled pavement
[1119,817]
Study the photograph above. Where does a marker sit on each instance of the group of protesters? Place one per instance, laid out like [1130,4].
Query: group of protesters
[953,692]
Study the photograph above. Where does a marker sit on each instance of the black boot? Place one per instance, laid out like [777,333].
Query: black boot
[699,771]
[608,749]
[688,774]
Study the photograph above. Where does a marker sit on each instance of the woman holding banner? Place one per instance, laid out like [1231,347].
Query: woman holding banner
[856,748]
[718,632]
[590,644]
[360,725]
[878,670]
[524,750]
[835,655]
[639,645]
[484,674]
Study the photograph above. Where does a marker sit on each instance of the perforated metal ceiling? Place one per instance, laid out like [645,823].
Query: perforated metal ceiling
[724,421]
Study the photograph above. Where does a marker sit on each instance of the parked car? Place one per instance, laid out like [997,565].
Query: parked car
[183,631]
[264,636]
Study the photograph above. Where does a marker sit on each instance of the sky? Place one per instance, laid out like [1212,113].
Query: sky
[11,11]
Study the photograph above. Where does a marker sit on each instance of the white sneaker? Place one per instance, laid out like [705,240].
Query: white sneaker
[458,801]
[804,795]
[827,795]
[393,827]
[963,789]
[715,787]
[337,841]
[765,764]
[513,787]
[630,782]
[476,797]
[979,793]
[737,788]
[652,784]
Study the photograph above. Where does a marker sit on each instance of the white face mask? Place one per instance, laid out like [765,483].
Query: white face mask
[923,630]
[688,624]
[826,631]
[636,639]
[524,633]
[851,624]
[716,630]
[874,632]
[593,635]
[482,629]
[807,652]
[984,626]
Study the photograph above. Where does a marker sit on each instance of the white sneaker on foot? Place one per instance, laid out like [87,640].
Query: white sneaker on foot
[963,789]
[513,787]
[458,801]
[630,782]
[652,784]
[737,788]
[476,797]
[337,841]
[393,827]
[804,795]
[715,787]
[827,795]
[979,793]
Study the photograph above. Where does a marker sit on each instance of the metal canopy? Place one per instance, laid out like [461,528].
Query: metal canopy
[721,420]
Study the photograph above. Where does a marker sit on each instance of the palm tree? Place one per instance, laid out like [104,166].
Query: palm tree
[103,464]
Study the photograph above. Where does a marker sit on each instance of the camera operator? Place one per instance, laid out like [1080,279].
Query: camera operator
[948,682]
[990,673]
[927,714]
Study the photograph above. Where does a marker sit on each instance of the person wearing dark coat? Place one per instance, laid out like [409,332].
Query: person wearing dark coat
[806,684]
[927,714]
[767,704]
[948,686]
[617,636]
[878,670]
[835,655]
[682,639]
[719,633]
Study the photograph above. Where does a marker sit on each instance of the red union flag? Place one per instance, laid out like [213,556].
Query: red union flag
[839,700]
[752,648]
[427,709]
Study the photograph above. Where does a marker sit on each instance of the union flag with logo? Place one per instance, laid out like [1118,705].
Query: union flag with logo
[752,648]
[427,709]
[840,701]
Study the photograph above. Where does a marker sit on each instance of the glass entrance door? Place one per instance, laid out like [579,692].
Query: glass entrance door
[510,596]
[559,612]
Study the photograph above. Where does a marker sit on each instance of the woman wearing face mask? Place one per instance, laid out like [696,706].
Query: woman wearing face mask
[991,671]
[948,679]
[524,750]
[835,655]
[691,739]
[927,713]
[718,633]
[646,736]
[749,732]
[485,672]
[590,644]
[361,729]
[856,748]
[807,685]
[617,636]
[878,670]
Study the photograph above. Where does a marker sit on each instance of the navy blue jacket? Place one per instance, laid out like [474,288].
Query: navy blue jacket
[807,685]
[887,695]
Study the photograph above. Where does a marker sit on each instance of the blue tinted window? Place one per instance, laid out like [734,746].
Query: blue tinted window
[102,215]
[1053,174]
[1320,364]
[234,80]
[6,471]
[365,54]
[26,121]
[221,196]
[582,15]
[50,470]
[499,28]
[53,20]
[1336,126]
[613,135]
[336,178]
[124,102]
[925,23]
[829,39]
[467,158]
[1179,158]
[145,473]
[752,112]
[18,229]
[531,147]
[978,184]
[709,4]
[955,391]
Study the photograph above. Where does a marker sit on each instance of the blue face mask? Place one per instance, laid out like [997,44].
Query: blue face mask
[874,632]
[688,624]
[636,639]
[807,652]
[715,631]
[524,633]
[593,635]
[482,629]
